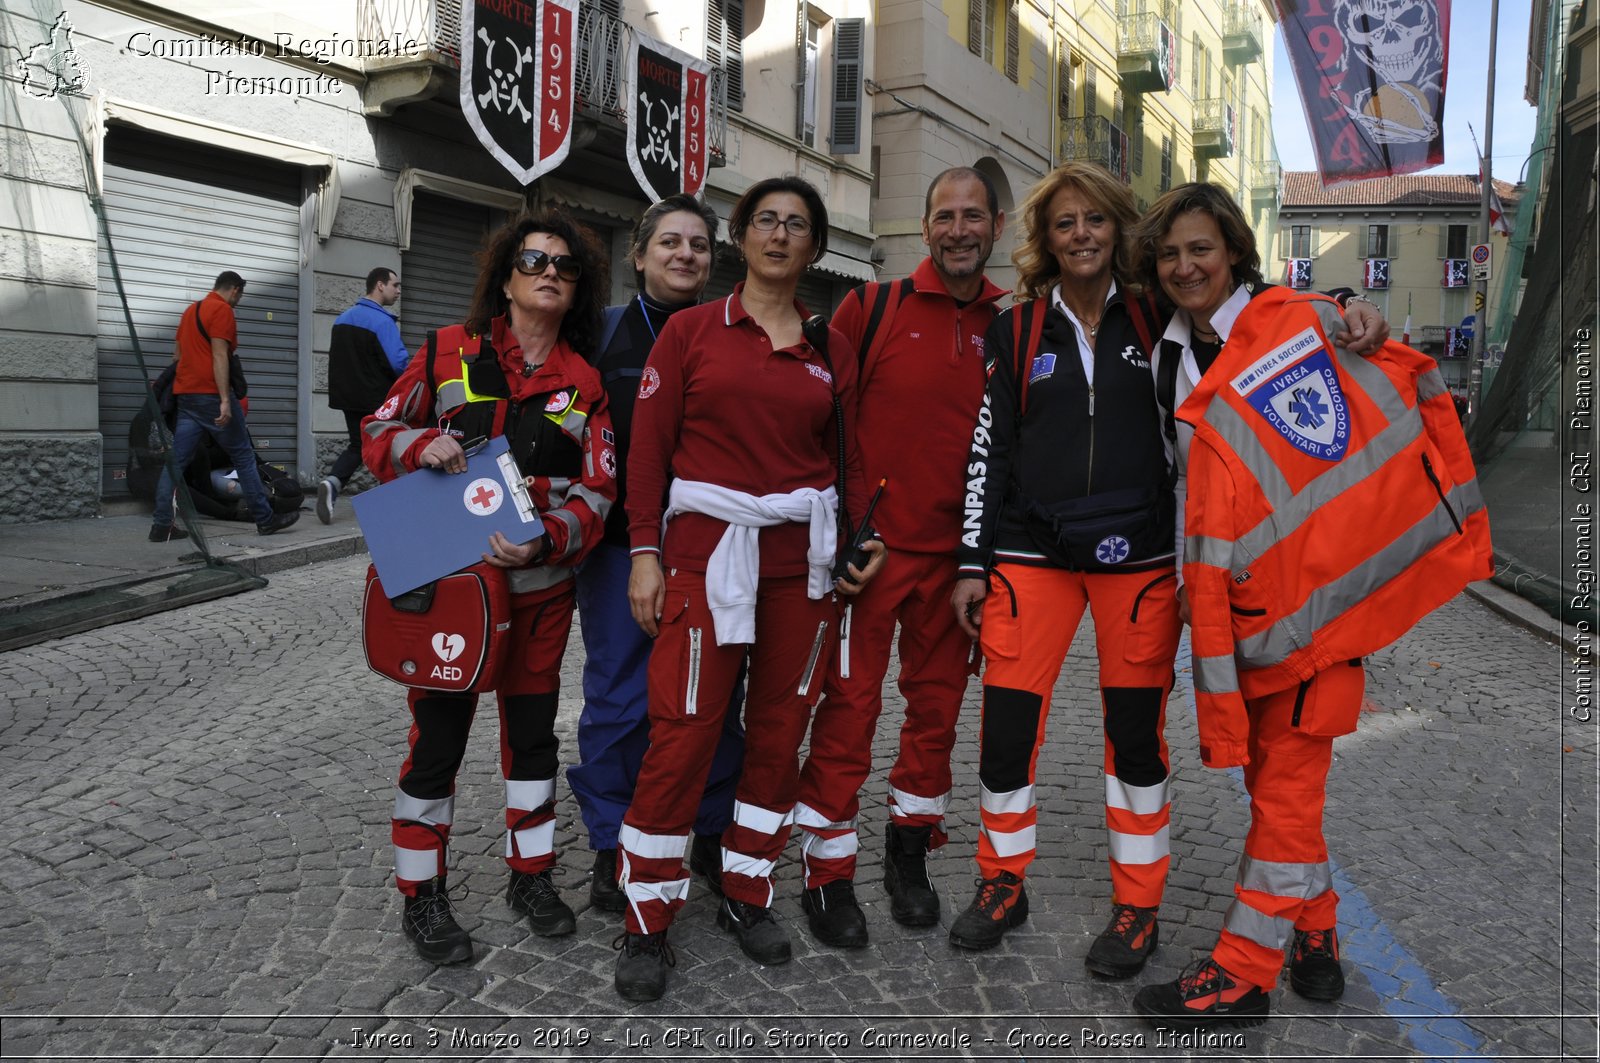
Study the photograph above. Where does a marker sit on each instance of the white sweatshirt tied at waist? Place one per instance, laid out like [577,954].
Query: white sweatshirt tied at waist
[734,567]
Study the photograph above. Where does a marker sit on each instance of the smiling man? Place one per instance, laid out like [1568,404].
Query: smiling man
[919,342]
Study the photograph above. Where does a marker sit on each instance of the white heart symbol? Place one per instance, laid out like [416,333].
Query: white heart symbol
[448,647]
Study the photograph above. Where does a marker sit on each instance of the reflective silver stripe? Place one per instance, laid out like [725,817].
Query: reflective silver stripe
[761,820]
[1241,438]
[1431,385]
[809,818]
[574,531]
[1347,474]
[691,694]
[572,422]
[811,661]
[525,795]
[1019,800]
[737,863]
[1277,643]
[1259,927]
[1207,549]
[1216,675]
[1140,800]
[1010,843]
[437,811]
[844,642]
[1332,600]
[1140,848]
[418,865]
[652,846]
[1466,497]
[815,846]
[451,393]
[401,442]
[904,804]
[535,841]
[598,503]
[1285,880]
[666,892]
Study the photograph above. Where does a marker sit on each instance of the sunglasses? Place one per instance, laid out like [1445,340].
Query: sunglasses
[533,263]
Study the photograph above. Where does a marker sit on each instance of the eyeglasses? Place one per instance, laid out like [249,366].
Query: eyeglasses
[768,220]
[533,263]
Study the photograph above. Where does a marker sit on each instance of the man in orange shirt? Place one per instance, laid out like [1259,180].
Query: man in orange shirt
[207,335]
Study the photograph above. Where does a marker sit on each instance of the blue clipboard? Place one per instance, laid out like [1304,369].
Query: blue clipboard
[428,523]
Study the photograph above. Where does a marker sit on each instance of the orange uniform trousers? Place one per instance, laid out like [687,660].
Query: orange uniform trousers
[1030,617]
[1285,882]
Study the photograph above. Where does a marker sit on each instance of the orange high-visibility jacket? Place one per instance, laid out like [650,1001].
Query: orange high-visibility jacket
[1332,504]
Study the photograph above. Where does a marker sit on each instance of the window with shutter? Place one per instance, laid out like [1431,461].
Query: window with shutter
[849,38]
[611,7]
[1090,91]
[1166,164]
[1136,135]
[1377,241]
[1013,39]
[975,31]
[725,45]
[1063,81]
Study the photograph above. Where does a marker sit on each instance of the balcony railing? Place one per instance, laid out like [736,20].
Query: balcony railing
[1264,178]
[1147,54]
[603,43]
[1215,128]
[1241,32]
[1094,139]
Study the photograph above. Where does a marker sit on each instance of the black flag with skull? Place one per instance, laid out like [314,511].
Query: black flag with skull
[655,148]
[499,82]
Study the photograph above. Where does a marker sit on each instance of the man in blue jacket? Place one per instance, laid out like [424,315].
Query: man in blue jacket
[364,359]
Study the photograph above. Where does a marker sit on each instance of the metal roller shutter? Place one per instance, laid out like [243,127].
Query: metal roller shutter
[440,269]
[179,214]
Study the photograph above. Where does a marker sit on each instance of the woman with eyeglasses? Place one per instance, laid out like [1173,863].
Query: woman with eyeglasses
[671,252]
[749,422]
[516,368]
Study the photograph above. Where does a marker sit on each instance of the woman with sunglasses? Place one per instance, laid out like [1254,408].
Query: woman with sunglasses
[750,422]
[671,252]
[517,369]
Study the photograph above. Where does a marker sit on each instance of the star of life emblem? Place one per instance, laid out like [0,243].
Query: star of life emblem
[1299,395]
[1112,550]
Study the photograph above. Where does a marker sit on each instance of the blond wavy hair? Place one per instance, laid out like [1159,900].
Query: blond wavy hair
[1037,269]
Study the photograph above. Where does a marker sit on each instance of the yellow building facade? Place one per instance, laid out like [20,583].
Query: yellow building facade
[1157,91]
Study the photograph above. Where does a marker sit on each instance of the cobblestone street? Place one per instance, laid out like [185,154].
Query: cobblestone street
[198,864]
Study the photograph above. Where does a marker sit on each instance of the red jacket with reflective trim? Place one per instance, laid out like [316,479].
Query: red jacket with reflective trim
[573,484]
[1332,504]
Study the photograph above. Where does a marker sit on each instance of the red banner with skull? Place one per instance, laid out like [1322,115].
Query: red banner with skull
[517,80]
[668,93]
[1372,77]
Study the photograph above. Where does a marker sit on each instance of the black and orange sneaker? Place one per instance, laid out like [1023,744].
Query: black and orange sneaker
[1001,903]
[1314,970]
[1125,944]
[1204,995]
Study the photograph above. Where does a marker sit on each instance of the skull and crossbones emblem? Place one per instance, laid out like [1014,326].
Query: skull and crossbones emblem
[659,138]
[504,92]
[1399,41]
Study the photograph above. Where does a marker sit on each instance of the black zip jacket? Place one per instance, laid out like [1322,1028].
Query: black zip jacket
[1074,442]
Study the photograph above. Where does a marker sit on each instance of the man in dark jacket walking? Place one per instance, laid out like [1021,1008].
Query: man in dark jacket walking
[366,356]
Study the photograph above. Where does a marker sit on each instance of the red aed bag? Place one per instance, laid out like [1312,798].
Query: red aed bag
[447,635]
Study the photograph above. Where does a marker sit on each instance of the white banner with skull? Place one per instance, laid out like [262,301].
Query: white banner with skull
[668,94]
[517,80]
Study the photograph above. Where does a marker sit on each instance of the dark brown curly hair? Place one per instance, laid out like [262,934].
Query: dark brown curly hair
[581,325]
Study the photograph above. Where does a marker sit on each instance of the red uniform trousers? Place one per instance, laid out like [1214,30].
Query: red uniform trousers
[915,591]
[527,690]
[1029,619]
[1284,881]
[690,681]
